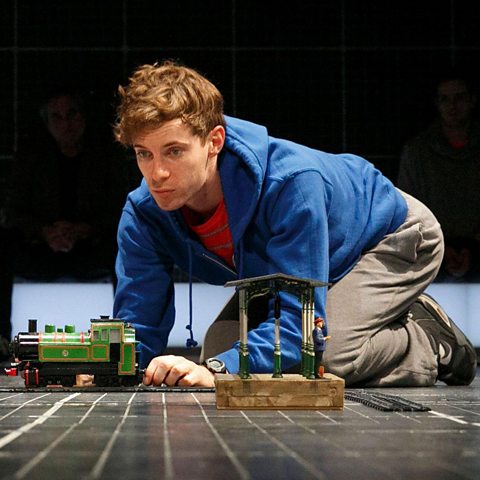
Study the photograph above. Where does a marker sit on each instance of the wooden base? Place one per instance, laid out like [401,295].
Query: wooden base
[290,392]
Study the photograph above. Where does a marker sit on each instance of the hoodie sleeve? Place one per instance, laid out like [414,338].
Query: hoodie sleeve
[297,218]
[145,292]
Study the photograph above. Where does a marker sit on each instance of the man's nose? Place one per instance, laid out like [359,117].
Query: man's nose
[159,171]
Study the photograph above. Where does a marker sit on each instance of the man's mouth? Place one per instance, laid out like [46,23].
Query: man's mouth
[162,192]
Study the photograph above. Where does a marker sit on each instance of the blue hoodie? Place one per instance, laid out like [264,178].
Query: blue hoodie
[291,210]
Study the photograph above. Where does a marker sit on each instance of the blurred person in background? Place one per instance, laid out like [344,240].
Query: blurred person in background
[68,187]
[441,167]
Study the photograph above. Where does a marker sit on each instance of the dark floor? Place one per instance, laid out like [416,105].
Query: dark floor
[181,435]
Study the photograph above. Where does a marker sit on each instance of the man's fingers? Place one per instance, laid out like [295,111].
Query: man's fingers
[154,374]
[172,370]
[167,369]
[199,376]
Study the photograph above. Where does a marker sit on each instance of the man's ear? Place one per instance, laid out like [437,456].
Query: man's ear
[216,140]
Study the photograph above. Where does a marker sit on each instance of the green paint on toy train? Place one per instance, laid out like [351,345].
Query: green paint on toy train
[95,346]
[67,353]
[127,360]
[64,338]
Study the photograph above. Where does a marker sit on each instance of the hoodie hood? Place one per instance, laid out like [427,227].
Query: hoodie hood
[243,161]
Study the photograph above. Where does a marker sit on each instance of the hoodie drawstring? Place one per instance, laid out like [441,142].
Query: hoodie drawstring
[191,342]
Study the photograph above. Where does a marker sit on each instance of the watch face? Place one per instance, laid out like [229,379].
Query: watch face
[215,365]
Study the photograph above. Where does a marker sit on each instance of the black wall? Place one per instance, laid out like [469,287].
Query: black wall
[339,75]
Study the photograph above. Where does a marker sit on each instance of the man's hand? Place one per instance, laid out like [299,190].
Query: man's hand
[173,370]
[62,236]
[59,236]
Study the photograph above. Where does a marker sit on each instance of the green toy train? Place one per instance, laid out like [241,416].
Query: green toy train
[108,351]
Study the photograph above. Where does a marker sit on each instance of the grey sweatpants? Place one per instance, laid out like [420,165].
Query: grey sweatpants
[373,342]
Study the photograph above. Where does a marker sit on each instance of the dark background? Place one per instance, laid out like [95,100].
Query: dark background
[338,75]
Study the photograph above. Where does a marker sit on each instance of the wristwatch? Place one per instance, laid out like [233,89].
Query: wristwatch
[215,365]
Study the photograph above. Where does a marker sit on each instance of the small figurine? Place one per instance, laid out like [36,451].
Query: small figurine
[319,344]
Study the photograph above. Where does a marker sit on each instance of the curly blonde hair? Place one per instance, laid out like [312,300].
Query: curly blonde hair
[159,93]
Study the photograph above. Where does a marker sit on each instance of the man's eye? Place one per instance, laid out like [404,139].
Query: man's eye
[142,154]
[175,152]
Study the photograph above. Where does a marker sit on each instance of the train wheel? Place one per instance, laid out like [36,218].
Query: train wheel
[42,381]
[51,380]
[103,381]
[128,381]
[68,380]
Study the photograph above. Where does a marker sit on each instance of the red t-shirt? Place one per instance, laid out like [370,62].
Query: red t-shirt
[458,144]
[214,234]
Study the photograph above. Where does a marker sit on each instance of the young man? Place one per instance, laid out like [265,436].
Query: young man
[223,200]
[441,167]
[66,195]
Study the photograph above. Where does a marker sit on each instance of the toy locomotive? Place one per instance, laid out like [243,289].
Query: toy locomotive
[56,356]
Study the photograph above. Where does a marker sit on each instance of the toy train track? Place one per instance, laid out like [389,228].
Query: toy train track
[138,388]
[384,402]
